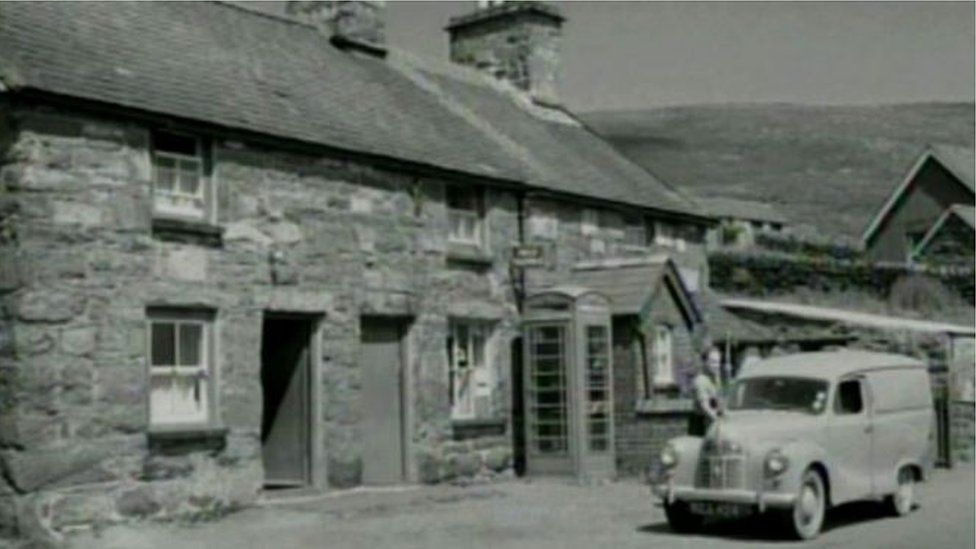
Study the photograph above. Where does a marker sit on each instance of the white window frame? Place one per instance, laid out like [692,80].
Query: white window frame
[175,202]
[472,217]
[544,224]
[202,374]
[663,352]
[475,378]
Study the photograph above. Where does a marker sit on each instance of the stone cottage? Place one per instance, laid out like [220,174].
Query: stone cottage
[243,253]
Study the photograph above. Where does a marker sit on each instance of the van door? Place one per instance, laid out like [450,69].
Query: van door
[851,435]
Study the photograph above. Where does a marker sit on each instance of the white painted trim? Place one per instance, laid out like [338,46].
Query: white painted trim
[889,204]
[930,234]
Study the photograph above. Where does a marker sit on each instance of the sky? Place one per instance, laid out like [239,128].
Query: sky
[645,54]
[623,55]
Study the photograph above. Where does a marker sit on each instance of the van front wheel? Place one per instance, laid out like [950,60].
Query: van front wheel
[806,518]
[680,517]
[901,502]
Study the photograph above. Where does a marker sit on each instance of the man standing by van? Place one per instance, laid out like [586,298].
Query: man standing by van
[705,385]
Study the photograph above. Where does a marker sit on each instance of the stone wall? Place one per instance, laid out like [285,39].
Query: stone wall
[317,234]
[644,423]
[565,245]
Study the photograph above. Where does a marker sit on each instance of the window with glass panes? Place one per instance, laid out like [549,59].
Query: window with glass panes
[465,214]
[635,231]
[180,185]
[669,234]
[180,367]
[663,355]
[471,379]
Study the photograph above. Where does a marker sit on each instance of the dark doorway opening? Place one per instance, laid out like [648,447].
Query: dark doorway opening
[286,358]
[381,364]
[518,409]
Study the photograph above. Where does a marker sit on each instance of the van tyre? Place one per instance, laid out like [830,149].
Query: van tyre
[903,500]
[680,517]
[805,520]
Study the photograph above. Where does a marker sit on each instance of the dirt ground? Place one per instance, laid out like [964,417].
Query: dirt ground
[541,513]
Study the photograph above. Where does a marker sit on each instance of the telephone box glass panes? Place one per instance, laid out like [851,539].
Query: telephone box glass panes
[547,390]
[179,390]
[597,381]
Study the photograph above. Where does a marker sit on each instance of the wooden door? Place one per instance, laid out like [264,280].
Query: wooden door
[286,417]
[381,364]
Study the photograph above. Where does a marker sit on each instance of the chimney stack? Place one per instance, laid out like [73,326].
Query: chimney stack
[520,42]
[357,24]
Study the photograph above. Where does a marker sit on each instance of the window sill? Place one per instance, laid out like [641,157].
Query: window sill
[664,406]
[468,253]
[189,438]
[474,428]
[172,229]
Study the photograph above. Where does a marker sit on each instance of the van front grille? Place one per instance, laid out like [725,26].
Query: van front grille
[721,471]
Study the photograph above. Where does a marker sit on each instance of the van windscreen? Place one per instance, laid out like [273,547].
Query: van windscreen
[792,394]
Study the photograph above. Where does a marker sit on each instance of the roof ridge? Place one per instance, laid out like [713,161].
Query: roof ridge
[261,13]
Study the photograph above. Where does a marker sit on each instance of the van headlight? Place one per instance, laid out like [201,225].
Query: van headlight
[776,463]
[669,456]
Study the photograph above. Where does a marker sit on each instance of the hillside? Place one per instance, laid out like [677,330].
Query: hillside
[829,167]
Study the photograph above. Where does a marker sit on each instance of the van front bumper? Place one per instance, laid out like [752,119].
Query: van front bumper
[762,500]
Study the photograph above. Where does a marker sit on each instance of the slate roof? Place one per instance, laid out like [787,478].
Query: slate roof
[226,65]
[959,161]
[965,213]
[749,210]
[724,325]
[630,283]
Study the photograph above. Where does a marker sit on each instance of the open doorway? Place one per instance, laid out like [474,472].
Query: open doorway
[286,422]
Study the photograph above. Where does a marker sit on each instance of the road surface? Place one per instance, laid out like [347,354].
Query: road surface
[542,513]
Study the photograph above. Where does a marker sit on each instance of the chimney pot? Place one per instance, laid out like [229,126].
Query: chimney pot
[516,41]
[358,24]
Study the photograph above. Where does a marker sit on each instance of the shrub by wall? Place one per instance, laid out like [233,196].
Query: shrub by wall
[759,273]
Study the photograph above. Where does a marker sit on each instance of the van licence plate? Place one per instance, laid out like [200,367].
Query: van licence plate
[724,510]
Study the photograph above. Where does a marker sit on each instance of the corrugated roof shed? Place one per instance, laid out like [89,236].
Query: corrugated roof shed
[850,317]
[229,66]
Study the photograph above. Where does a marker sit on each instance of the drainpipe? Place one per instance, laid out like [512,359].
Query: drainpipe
[518,274]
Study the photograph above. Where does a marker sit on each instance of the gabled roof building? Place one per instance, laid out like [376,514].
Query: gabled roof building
[939,186]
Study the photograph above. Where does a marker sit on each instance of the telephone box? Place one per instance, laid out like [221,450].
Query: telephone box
[568,384]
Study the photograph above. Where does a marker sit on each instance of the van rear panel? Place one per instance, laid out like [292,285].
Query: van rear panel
[903,422]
